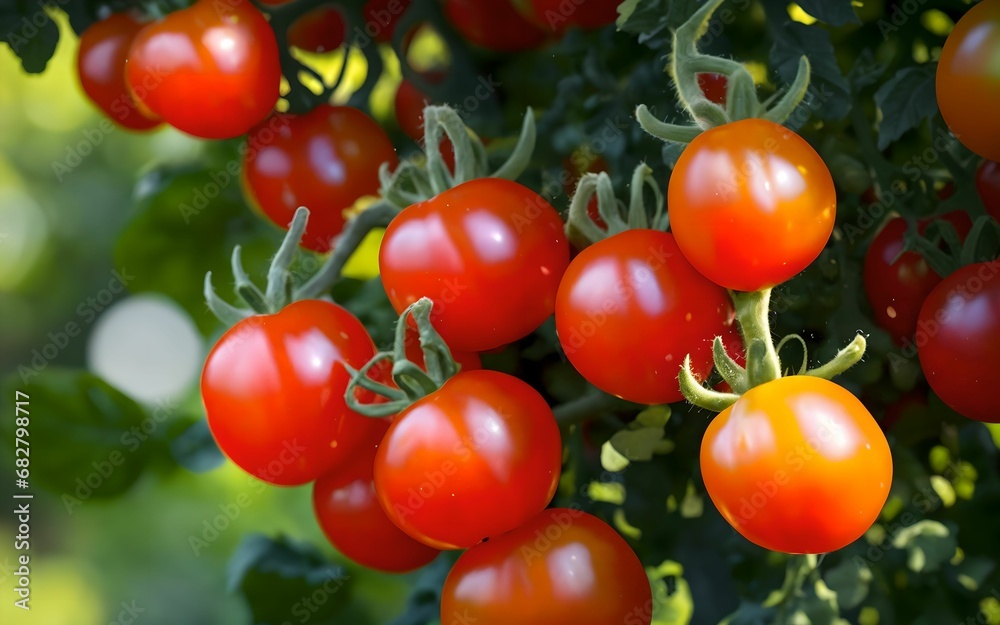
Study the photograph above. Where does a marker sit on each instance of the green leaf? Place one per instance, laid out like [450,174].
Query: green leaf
[905,100]
[850,580]
[639,444]
[611,459]
[829,93]
[188,224]
[287,581]
[672,600]
[973,572]
[31,35]
[195,449]
[89,439]
[929,544]
[653,21]
[833,12]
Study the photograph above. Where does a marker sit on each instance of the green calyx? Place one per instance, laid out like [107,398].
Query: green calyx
[419,179]
[763,363]
[581,227]
[412,382]
[280,290]
[686,63]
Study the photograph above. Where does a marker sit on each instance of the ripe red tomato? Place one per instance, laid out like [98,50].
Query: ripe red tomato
[100,62]
[493,25]
[352,519]
[630,308]
[562,566]
[473,460]
[797,465]
[714,86]
[958,339]
[968,81]
[751,204]
[273,388]
[489,253]
[319,30]
[559,15]
[324,160]
[211,70]
[988,185]
[897,284]
[381,17]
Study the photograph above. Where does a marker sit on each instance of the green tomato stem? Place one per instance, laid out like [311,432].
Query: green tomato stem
[223,311]
[277,292]
[588,406]
[701,396]
[671,133]
[786,105]
[520,158]
[729,369]
[844,360]
[753,315]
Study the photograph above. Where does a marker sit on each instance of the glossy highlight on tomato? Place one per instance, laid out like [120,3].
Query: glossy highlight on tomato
[324,160]
[562,566]
[897,282]
[489,253]
[100,62]
[473,460]
[958,340]
[968,79]
[630,308]
[211,70]
[797,465]
[348,511]
[273,388]
[494,25]
[751,204]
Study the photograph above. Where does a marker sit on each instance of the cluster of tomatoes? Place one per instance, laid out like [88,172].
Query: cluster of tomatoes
[472,461]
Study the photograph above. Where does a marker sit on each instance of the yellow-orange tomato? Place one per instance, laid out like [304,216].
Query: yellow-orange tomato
[797,465]
[968,80]
[751,204]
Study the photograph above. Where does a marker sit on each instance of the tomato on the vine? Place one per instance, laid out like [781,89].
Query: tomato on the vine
[273,388]
[489,253]
[493,25]
[319,30]
[988,185]
[559,15]
[562,566]
[472,460]
[958,340]
[324,160]
[751,204]
[630,308]
[211,70]
[968,79]
[348,512]
[897,282]
[100,62]
[714,86]
[797,465]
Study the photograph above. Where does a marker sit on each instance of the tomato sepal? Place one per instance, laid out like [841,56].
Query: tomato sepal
[584,229]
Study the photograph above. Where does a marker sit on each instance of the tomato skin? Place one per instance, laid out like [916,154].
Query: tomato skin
[273,388]
[381,17]
[473,460]
[968,81]
[100,62]
[489,253]
[797,465]
[714,86]
[897,284]
[320,30]
[958,340]
[751,204]
[493,25]
[562,566]
[630,308]
[557,16]
[348,512]
[211,70]
[324,160]
[988,185]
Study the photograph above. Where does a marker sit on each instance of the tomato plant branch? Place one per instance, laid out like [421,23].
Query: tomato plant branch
[799,568]
[588,406]
[753,315]
[376,216]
